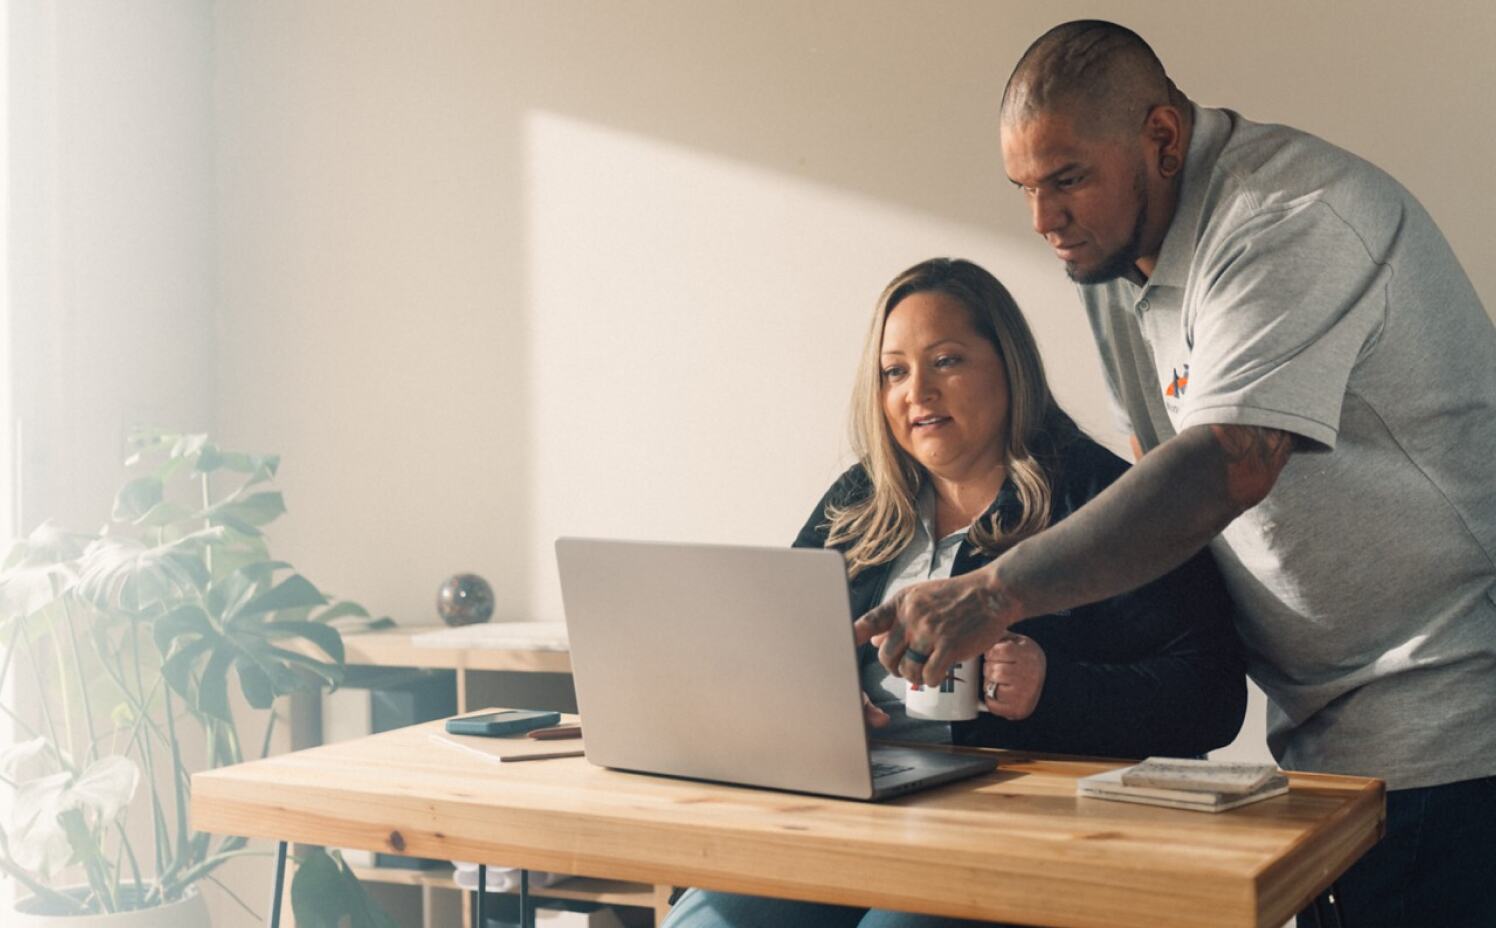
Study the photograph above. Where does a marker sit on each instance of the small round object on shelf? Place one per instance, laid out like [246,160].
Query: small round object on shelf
[464,599]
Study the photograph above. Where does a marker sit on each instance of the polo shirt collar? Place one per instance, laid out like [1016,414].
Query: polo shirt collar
[1207,138]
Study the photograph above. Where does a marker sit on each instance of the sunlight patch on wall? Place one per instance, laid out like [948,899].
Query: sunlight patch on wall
[695,326]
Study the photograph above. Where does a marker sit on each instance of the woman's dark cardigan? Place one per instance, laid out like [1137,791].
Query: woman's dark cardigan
[1157,671]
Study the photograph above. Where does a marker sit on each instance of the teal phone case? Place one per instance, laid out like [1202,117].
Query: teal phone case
[513,722]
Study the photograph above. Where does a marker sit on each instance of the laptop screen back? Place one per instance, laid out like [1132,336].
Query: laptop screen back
[716,662]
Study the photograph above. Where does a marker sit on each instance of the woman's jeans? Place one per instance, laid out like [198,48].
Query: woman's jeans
[701,909]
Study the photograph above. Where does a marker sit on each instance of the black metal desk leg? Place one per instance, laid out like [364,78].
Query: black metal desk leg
[526,917]
[280,886]
[479,919]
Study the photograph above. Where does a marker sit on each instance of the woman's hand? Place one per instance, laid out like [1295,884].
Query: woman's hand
[871,714]
[1013,677]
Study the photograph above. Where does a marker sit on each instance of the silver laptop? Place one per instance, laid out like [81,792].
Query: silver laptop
[732,664]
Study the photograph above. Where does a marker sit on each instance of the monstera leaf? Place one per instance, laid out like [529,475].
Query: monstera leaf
[250,625]
[36,570]
[50,820]
[120,573]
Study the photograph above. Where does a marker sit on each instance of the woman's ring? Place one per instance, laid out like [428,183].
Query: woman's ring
[919,657]
[991,691]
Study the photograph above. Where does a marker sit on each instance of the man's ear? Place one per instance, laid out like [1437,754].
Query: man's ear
[1163,132]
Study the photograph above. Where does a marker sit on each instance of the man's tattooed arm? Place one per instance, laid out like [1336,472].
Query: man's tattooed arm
[1155,517]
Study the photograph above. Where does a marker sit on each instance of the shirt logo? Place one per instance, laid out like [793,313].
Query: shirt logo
[1177,386]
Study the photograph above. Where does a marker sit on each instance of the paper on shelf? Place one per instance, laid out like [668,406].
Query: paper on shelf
[498,636]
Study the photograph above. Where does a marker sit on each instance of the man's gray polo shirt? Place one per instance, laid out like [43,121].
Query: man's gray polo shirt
[1301,288]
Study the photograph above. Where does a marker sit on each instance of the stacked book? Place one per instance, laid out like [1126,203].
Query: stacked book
[1182,783]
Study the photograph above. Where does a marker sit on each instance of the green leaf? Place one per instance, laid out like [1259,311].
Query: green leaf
[328,673]
[85,846]
[230,593]
[265,468]
[163,513]
[138,497]
[253,464]
[345,608]
[263,570]
[294,592]
[186,619]
[177,668]
[237,524]
[325,891]
[241,551]
[254,509]
[324,637]
[209,458]
[213,688]
[259,467]
[299,614]
[259,692]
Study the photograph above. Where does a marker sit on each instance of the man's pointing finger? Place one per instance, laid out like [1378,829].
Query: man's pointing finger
[875,622]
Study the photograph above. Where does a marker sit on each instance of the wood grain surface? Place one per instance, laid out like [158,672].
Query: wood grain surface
[1016,845]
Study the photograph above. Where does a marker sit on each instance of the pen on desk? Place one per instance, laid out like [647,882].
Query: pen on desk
[499,757]
[555,732]
[549,755]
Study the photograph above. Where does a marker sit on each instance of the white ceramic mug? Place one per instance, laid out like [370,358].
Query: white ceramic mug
[954,700]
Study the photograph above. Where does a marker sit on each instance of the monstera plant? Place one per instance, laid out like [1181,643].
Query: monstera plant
[130,642]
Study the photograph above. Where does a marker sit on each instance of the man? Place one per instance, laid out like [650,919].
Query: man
[1313,380]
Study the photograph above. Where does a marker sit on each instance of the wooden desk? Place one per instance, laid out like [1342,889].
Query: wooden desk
[1016,845]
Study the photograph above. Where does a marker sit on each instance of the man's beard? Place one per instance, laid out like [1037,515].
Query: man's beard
[1120,262]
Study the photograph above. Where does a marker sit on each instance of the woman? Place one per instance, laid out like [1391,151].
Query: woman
[964,452]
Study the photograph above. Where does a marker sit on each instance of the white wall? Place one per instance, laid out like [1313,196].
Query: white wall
[112,258]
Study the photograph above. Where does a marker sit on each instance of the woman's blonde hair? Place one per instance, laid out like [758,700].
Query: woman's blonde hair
[883,524]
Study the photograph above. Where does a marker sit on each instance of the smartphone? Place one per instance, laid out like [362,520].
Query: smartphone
[507,722]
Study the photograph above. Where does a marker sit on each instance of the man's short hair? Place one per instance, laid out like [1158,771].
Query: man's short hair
[1101,72]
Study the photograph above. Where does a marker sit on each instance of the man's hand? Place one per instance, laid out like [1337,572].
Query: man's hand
[871,714]
[1013,675]
[927,627]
